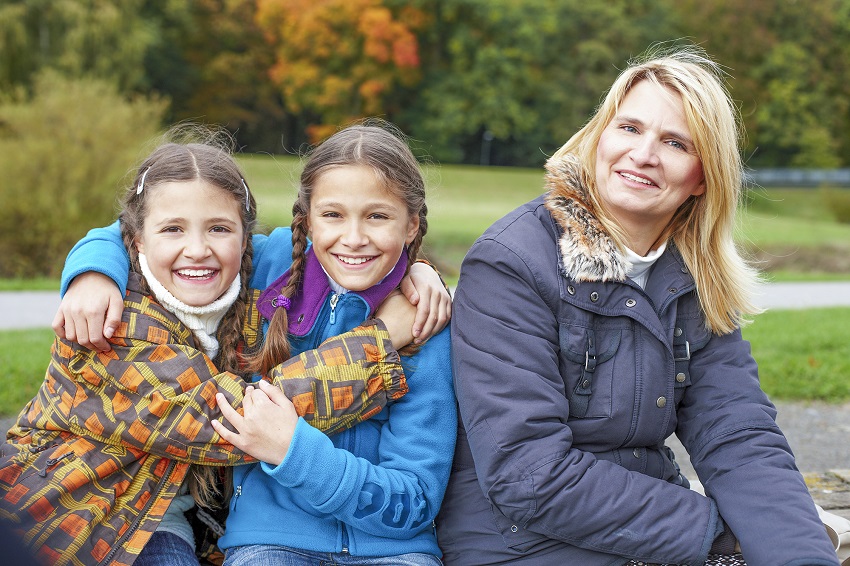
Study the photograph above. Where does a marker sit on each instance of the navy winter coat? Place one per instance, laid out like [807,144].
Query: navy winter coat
[569,378]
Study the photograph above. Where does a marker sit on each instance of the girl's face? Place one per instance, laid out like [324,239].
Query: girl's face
[358,228]
[646,162]
[193,240]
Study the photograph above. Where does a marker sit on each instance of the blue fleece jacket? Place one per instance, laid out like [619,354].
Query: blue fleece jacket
[373,490]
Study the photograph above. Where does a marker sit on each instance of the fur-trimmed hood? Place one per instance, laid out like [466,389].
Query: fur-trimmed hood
[588,253]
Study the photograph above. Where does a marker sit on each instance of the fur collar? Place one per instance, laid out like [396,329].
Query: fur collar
[588,253]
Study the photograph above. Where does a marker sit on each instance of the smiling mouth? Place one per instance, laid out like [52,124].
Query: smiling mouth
[354,260]
[196,274]
[641,180]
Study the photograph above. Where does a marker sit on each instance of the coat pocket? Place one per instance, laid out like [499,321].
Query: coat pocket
[587,366]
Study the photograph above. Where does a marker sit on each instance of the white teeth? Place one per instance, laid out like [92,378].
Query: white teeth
[353,260]
[631,177]
[195,272]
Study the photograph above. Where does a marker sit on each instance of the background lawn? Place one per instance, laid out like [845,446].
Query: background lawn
[792,232]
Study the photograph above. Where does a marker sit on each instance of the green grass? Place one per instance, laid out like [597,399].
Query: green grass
[41,284]
[464,200]
[24,355]
[802,355]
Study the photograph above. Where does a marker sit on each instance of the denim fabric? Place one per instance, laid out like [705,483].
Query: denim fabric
[270,555]
[166,549]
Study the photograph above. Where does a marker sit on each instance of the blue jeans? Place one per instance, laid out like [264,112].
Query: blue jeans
[166,549]
[272,555]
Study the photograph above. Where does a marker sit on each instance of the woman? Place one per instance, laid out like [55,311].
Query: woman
[597,320]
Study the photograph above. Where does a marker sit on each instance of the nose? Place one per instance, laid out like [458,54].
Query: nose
[354,235]
[645,151]
[196,246]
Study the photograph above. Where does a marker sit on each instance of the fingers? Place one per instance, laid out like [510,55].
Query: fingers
[275,394]
[113,315]
[408,288]
[58,325]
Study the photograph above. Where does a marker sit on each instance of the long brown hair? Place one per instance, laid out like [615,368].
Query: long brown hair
[190,153]
[377,145]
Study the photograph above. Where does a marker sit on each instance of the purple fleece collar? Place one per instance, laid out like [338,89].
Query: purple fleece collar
[308,300]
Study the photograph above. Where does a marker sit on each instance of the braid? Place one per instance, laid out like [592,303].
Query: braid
[416,245]
[276,347]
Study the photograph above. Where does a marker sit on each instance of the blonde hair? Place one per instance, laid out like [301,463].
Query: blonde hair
[375,144]
[703,227]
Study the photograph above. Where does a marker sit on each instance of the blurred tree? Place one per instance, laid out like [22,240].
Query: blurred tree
[527,73]
[338,60]
[788,62]
[106,39]
[211,59]
[63,151]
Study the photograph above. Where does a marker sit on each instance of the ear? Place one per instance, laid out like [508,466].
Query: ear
[699,190]
[412,229]
[140,246]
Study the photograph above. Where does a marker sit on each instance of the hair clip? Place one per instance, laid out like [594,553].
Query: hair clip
[141,186]
[247,199]
[281,301]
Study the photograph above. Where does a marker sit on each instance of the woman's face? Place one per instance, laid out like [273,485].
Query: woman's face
[646,162]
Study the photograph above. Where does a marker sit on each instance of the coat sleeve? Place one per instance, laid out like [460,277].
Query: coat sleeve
[159,397]
[397,495]
[513,405]
[724,418]
[101,250]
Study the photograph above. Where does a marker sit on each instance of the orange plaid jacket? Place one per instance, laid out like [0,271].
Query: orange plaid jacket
[98,454]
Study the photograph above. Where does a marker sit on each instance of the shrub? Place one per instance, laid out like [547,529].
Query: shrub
[838,202]
[63,151]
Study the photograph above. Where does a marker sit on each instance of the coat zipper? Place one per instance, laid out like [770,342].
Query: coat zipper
[154,497]
[334,301]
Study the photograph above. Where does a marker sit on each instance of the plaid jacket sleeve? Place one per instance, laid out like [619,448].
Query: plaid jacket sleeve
[155,394]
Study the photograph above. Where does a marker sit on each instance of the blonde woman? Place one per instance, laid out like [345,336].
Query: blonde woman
[599,319]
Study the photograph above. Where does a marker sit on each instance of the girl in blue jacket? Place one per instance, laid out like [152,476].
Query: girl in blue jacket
[368,495]
[371,494]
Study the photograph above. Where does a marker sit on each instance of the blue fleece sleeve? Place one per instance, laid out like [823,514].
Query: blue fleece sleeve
[272,257]
[101,250]
[399,494]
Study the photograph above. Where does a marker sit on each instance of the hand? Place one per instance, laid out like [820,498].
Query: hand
[90,311]
[398,316]
[266,428]
[423,287]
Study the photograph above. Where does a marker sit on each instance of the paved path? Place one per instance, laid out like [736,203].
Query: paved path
[32,309]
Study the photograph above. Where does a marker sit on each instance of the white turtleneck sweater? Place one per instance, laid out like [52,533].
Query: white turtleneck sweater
[639,265]
[203,321]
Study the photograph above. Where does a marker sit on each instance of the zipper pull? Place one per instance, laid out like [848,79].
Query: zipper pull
[237,491]
[334,301]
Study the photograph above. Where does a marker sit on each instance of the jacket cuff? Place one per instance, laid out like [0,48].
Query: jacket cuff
[724,543]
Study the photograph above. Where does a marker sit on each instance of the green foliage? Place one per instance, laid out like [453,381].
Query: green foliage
[63,152]
[838,202]
[24,356]
[98,38]
[803,355]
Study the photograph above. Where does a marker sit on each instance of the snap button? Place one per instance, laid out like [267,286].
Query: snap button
[684,269]
[636,452]
[594,296]
[571,290]
[301,317]
[677,332]
[514,528]
[630,302]
[673,289]
[585,383]
[661,402]
[680,377]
